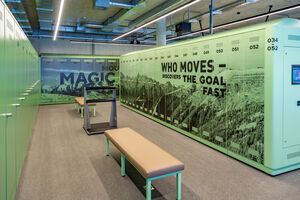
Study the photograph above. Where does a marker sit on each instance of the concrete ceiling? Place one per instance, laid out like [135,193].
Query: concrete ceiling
[81,20]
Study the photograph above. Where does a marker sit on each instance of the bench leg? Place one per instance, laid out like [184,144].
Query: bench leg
[90,109]
[81,112]
[122,164]
[148,189]
[178,185]
[78,108]
[107,146]
[94,111]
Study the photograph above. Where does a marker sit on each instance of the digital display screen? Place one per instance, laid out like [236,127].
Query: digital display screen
[295,74]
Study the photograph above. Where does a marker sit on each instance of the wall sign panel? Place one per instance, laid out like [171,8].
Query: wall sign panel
[63,77]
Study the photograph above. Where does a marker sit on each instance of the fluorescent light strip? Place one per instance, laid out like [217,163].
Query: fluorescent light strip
[82,42]
[157,19]
[59,18]
[236,22]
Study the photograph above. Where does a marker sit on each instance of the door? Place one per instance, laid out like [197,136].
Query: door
[291,125]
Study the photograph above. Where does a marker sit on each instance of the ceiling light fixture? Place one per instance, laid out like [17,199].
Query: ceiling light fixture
[157,19]
[58,19]
[238,21]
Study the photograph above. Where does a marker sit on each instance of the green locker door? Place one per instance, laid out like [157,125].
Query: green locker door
[2,109]
[26,102]
[22,125]
[18,107]
[10,72]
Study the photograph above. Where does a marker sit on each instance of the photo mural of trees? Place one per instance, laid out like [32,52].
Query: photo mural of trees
[64,78]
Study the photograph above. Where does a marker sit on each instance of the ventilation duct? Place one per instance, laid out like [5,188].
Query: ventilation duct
[105,4]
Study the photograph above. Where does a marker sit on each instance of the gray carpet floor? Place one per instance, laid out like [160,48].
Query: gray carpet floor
[63,162]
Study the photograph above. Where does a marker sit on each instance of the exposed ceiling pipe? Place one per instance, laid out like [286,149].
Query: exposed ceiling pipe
[276,12]
[122,5]
[32,15]
[211,24]
[84,38]
[217,10]
[119,19]
[104,4]
[94,25]
[87,30]
[81,27]
[158,18]
[72,29]
[109,43]
[72,37]
[155,12]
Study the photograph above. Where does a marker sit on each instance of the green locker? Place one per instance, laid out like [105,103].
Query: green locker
[10,62]
[20,92]
[2,109]
[18,106]
[238,91]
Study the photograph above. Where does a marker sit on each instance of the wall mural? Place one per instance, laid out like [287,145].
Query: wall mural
[63,78]
[212,90]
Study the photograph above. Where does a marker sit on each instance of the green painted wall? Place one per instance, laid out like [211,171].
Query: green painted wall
[220,90]
[19,97]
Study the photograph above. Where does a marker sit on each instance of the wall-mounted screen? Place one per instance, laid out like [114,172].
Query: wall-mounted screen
[295,74]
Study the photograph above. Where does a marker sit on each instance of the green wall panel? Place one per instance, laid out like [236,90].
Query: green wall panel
[20,96]
[220,90]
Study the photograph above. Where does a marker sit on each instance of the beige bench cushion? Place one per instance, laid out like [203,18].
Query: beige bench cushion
[80,101]
[147,157]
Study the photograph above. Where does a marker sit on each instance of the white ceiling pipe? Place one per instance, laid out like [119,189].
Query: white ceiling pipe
[123,5]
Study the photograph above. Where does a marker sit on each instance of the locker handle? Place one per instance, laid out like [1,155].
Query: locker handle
[25,94]
[16,104]
[6,115]
[21,98]
[28,91]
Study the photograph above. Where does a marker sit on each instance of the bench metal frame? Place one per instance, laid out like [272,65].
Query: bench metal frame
[80,109]
[101,127]
[148,180]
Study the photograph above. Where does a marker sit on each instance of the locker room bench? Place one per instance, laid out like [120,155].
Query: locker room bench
[150,160]
[79,104]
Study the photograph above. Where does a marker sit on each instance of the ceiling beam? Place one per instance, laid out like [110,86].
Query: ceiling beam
[32,15]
